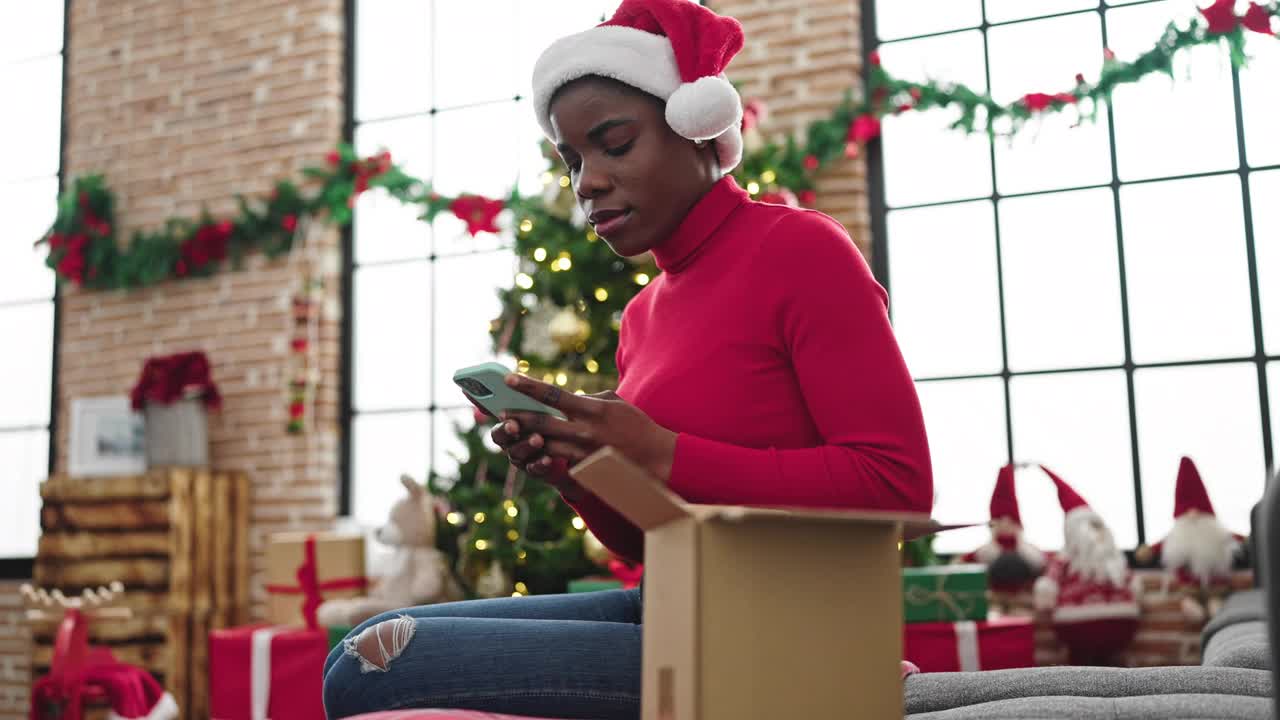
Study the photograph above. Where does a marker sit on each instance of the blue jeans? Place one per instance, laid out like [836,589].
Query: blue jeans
[560,656]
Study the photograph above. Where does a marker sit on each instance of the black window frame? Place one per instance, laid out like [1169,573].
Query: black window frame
[879,210]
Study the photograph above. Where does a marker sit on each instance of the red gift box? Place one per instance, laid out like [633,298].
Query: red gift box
[967,646]
[267,671]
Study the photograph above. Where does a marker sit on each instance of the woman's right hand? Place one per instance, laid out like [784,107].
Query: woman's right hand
[523,448]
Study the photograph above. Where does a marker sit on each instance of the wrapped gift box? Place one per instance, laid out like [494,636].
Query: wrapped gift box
[967,645]
[338,633]
[592,584]
[279,669]
[339,572]
[941,593]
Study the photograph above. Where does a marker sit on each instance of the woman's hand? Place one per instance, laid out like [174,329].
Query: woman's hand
[594,421]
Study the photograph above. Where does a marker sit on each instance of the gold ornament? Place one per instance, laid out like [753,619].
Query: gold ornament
[595,550]
[568,330]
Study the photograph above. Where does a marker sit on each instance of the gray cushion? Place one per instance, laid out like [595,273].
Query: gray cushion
[1155,707]
[1241,607]
[1243,645]
[934,692]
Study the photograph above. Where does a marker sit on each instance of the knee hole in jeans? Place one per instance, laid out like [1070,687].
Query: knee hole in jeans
[377,645]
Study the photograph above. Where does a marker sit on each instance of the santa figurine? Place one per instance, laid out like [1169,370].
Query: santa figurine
[1088,587]
[1012,563]
[1198,553]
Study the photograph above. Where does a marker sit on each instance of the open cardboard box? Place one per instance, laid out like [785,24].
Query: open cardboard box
[762,613]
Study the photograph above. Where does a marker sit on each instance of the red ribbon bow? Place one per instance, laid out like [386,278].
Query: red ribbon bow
[629,575]
[310,587]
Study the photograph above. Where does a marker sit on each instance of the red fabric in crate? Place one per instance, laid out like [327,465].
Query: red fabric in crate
[953,647]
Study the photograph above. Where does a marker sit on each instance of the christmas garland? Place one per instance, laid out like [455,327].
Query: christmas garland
[83,248]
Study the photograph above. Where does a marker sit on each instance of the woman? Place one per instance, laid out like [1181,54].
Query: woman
[758,369]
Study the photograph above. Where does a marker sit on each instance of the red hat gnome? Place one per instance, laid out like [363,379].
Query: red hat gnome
[1088,586]
[1012,563]
[675,50]
[1199,551]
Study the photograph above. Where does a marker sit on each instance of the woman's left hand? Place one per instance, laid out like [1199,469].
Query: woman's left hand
[594,421]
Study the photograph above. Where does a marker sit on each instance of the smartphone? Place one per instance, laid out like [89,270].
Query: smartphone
[486,387]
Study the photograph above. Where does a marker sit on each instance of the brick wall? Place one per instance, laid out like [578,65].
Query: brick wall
[15,660]
[182,105]
[800,57]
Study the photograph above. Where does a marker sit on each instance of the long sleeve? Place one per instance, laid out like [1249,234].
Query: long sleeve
[620,535]
[833,326]
[615,531]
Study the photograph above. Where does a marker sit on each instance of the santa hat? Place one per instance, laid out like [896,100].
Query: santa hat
[1189,493]
[1004,503]
[676,50]
[1068,498]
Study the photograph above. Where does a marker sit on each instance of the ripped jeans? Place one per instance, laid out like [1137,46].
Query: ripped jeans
[557,656]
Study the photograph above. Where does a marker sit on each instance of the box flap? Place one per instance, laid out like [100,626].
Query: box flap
[628,489]
[646,502]
[914,525]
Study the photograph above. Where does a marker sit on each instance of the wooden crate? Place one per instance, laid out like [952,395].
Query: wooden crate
[178,540]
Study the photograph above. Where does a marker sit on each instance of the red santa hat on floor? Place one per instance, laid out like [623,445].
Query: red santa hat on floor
[675,50]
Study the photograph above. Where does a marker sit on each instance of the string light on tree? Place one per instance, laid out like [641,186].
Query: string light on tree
[642,279]
[579,524]
[602,295]
[540,254]
[524,281]
[479,518]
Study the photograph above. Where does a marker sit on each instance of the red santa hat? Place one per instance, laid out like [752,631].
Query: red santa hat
[675,50]
[1004,503]
[1189,492]
[1068,498]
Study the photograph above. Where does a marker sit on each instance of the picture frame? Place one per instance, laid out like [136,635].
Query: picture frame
[107,438]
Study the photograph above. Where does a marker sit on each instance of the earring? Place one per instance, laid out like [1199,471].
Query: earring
[700,143]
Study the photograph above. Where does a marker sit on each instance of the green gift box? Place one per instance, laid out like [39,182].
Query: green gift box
[592,584]
[944,593]
[336,634]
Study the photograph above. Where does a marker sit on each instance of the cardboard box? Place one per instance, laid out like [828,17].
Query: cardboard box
[339,570]
[944,593]
[762,613]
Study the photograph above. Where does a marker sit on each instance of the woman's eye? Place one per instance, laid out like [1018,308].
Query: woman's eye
[620,150]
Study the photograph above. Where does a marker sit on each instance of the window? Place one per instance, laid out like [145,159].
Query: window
[453,107]
[1100,298]
[31,67]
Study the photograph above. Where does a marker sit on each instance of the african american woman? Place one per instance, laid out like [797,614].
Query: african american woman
[759,368]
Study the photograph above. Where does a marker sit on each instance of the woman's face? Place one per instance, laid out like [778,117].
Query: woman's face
[635,178]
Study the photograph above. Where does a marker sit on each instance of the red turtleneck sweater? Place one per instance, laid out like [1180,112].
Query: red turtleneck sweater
[765,344]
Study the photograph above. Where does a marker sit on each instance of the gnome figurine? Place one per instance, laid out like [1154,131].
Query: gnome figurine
[1012,563]
[1088,587]
[1198,553]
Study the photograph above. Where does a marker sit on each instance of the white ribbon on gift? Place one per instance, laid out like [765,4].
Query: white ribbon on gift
[966,646]
[260,672]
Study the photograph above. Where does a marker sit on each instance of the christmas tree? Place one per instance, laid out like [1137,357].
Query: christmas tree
[508,532]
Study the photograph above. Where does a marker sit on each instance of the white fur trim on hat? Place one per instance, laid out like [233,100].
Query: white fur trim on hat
[706,109]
